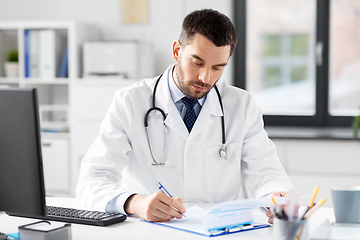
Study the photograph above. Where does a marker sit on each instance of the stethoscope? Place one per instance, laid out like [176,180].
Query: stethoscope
[223,149]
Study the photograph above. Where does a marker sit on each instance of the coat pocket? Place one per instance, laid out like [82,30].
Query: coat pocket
[223,175]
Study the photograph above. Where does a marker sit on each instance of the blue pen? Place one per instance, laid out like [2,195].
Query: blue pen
[163,189]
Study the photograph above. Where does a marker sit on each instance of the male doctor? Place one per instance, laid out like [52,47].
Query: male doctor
[120,169]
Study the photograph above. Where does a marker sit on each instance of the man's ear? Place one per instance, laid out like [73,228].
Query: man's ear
[176,49]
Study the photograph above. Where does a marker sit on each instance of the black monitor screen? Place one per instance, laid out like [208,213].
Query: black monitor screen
[21,175]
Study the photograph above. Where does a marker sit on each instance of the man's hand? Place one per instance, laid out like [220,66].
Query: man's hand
[270,214]
[156,207]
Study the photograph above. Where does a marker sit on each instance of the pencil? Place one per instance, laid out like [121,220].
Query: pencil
[274,201]
[313,209]
[316,189]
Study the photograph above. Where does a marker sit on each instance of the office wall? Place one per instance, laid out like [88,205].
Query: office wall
[164,25]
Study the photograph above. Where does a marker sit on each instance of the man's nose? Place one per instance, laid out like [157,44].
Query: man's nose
[205,75]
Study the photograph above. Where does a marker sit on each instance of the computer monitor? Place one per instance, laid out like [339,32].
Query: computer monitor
[21,173]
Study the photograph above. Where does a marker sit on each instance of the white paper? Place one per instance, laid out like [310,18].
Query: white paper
[236,212]
[222,215]
[192,222]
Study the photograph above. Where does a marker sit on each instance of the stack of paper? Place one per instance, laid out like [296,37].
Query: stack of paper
[223,218]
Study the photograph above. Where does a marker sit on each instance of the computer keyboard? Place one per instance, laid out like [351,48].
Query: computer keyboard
[71,215]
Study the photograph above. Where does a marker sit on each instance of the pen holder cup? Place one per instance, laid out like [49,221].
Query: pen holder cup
[290,230]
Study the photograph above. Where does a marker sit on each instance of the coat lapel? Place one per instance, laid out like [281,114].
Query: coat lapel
[210,109]
[163,100]
[173,119]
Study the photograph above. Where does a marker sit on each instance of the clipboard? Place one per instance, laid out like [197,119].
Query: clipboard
[223,218]
[203,233]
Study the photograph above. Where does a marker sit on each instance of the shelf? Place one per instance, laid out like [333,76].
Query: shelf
[56,81]
[55,125]
[53,107]
[54,94]
[4,80]
[55,135]
[106,80]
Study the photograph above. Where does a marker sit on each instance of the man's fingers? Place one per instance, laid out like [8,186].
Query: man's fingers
[172,202]
[178,199]
[271,220]
[171,208]
[160,216]
[165,207]
[170,211]
[278,194]
[157,216]
[269,214]
[155,212]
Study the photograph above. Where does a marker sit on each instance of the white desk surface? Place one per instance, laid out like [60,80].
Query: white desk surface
[132,228]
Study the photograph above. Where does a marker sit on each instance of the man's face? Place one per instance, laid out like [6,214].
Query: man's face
[199,65]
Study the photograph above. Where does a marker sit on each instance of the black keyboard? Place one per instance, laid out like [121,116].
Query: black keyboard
[71,215]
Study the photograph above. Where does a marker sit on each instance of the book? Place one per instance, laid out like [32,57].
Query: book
[34,53]
[50,49]
[47,54]
[2,54]
[27,52]
[63,71]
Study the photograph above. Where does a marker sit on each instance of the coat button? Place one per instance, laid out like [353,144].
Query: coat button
[193,159]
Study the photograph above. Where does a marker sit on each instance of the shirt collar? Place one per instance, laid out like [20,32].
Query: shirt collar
[175,93]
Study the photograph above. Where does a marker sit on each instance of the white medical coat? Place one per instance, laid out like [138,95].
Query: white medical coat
[120,162]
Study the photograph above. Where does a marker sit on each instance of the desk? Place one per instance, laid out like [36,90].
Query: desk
[132,228]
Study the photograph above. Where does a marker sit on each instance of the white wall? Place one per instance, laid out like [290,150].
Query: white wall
[164,25]
[320,162]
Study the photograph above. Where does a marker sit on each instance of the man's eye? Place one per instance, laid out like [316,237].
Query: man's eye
[197,63]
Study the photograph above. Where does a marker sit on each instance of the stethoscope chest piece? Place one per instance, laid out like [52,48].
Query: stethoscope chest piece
[223,152]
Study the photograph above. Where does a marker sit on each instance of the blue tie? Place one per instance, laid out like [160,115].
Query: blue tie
[190,115]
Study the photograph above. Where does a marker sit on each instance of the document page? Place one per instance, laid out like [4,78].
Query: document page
[234,213]
[192,222]
[221,216]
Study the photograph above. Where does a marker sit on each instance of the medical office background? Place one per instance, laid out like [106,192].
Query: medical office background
[300,60]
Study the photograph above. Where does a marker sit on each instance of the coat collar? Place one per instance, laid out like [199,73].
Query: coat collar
[174,121]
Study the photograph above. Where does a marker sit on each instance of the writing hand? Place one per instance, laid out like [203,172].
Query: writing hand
[156,207]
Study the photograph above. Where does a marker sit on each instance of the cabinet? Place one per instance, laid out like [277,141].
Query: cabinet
[88,112]
[53,91]
[55,153]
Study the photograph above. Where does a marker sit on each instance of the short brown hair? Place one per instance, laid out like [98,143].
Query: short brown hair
[212,24]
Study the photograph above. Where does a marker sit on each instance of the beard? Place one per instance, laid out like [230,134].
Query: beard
[186,86]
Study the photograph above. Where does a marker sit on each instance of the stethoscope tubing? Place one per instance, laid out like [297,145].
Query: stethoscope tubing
[223,150]
[222,117]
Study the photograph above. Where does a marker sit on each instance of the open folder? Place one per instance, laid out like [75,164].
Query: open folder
[223,218]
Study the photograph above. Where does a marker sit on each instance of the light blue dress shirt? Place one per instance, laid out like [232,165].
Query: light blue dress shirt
[176,95]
